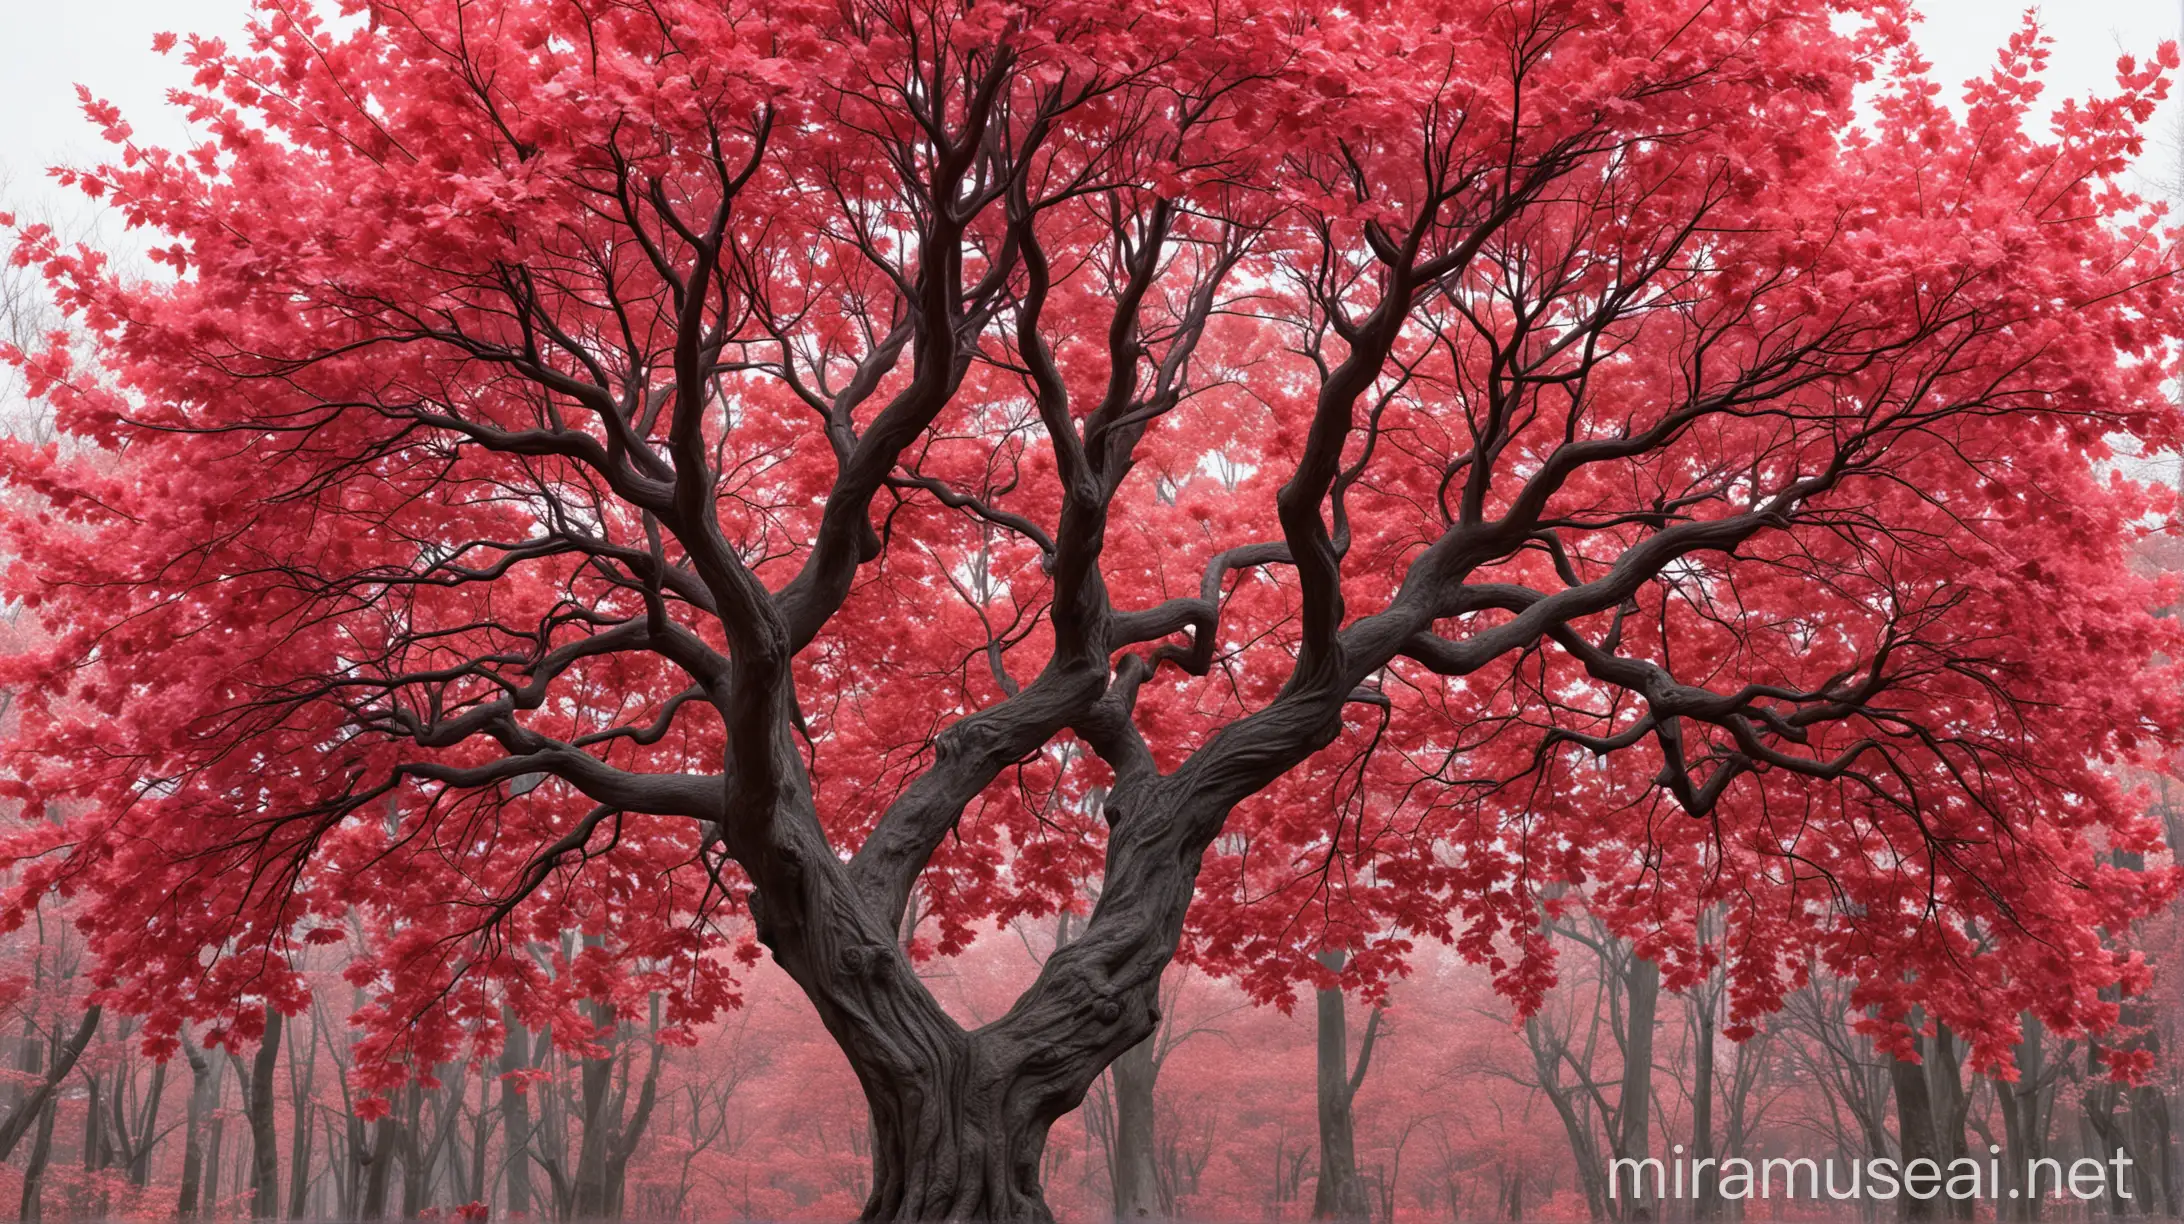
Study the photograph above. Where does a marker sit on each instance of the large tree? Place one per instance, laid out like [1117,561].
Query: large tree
[587,463]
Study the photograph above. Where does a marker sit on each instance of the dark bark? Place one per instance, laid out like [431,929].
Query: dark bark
[612,1126]
[1340,1193]
[1640,999]
[63,1056]
[32,1207]
[201,1106]
[378,1161]
[300,1141]
[1914,1130]
[257,1085]
[2024,1116]
[136,1131]
[960,1119]
[1951,1105]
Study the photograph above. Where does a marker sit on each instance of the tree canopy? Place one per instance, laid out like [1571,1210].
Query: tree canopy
[1387,470]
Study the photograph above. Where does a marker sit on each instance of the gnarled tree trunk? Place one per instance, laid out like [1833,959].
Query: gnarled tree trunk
[960,1118]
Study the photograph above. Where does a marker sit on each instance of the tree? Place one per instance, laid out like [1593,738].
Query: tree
[592,464]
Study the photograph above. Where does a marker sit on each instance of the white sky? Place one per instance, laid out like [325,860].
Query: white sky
[47,47]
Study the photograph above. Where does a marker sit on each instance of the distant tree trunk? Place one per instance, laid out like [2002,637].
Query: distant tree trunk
[41,1151]
[1135,1172]
[1914,1130]
[379,1168]
[1641,995]
[1340,1194]
[60,1061]
[257,1085]
[418,1154]
[1548,1052]
[516,1112]
[2024,1122]
[302,1132]
[94,1147]
[481,1140]
[2130,1133]
[209,1201]
[1951,1105]
[1704,1204]
[137,1140]
[201,1106]
[602,1117]
[2151,1117]
[610,1136]
[2113,1135]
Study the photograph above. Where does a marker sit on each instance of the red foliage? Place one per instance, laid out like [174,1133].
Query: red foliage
[1716,515]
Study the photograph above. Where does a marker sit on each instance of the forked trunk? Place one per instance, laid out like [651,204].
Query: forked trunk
[960,1141]
[960,1118]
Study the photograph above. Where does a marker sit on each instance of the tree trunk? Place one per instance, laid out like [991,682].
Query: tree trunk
[32,1107]
[602,1115]
[2024,1123]
[1135,1173]
[516,1112]
[41,1151]
[961,1142]
[1341,1193]
[1704,1204]
[1914,1130]
[257,1084]
[303,1132]
[203,1088]
[1634,1103]
[379,1168]
[208,1203]
[2150,1113]
[418,1154]
[1951,1104]
[960,1118]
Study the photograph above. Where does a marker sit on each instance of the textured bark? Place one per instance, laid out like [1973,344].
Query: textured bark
[960,1119]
